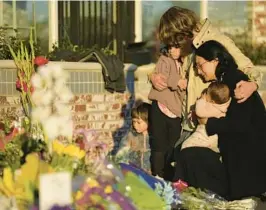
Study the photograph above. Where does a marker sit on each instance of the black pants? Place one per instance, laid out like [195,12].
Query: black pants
[165,132]
[201,168]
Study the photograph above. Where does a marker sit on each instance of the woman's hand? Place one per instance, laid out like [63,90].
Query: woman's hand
[244,90]
[158,81]
[202,121]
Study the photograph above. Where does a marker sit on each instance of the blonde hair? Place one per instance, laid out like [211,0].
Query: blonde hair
[177,24]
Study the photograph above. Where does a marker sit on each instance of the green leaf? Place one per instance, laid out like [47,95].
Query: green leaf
[140,193]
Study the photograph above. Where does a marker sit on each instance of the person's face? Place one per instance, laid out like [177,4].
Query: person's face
[174,52]
[206,68]
[139,125]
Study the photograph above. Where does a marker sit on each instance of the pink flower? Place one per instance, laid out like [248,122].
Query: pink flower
[25,87]
[180,185]
[40,61]
[18,84]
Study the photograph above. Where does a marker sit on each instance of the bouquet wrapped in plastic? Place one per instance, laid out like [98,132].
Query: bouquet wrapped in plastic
[193,198]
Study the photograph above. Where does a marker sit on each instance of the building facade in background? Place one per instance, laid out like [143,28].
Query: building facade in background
[257,17]
[119,23]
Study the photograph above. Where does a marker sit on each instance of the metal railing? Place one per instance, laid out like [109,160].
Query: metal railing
[102,23]
[84,78]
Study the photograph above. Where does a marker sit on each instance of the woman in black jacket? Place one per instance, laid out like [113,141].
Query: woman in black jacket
[242,133]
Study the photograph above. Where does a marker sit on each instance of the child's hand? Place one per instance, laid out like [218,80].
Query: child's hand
[182,84]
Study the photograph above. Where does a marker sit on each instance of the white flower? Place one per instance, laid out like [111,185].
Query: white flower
[45,71]
[66,95]
[48,83]
[41,113]
[51,99]
[58,72]
[47,97]
[66,128]
[59,85]
[50,127]
[37,81]
[62,109]
[37,97]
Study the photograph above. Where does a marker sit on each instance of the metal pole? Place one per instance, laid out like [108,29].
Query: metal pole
[138,20]
[14,7]
[34,21]
[1,13]
[115,25]
[203,9]
[53,23]
[253,25]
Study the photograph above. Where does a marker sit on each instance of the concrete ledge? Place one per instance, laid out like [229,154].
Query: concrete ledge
[10,64]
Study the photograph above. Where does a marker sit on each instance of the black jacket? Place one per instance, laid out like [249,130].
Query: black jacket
[112,69]
[242,140]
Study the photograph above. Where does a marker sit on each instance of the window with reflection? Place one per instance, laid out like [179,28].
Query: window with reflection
[19,17]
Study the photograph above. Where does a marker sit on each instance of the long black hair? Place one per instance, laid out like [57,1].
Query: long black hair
[212,50]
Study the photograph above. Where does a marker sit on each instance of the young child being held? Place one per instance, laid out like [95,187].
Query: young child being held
[199,162]
[135,146]
[166,110]
[213,103]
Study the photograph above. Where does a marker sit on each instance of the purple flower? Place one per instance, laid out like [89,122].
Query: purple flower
[57,207]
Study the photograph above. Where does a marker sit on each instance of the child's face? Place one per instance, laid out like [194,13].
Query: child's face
[174,52]
[139,125]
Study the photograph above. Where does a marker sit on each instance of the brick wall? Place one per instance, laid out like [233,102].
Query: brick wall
[259,21]
[107,114]
[10,106]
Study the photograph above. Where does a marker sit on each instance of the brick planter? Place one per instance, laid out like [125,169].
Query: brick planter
[92,107]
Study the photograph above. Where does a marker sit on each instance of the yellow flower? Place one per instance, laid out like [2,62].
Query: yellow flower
[92,183]
[58,147]
[7,184]
[10,188]
[70,150]
[78,195]
[81,154]
[23,182]
[74,151]
[108,189]
[31,170]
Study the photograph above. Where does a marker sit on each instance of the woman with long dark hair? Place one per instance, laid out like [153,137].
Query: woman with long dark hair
[242,132]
